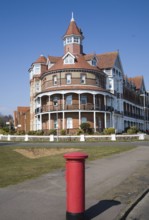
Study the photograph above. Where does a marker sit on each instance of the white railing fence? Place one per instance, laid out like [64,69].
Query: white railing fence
[82,137]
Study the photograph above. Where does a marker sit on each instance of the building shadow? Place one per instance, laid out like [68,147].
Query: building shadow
[100,207]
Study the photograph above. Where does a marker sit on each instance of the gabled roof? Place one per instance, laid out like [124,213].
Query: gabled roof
[138,81]
[73,29]
[53,59]
[68,53]
[41,59]
[80,62]
[107,60]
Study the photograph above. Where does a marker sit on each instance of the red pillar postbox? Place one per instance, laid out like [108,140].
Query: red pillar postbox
[75,185]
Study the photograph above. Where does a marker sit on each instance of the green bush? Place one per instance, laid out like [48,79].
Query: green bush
[63,132]
[22,132]
[85,127]
[80,131]
[32,133]
[109,131]
[53,131]
[39,132]
[132,130]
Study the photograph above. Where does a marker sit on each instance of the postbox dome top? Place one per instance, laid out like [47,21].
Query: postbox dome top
[76,155]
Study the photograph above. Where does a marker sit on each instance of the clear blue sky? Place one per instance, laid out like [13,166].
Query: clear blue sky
[29,28]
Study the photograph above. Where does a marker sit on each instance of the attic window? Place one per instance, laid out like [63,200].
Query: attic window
[94,62]
[69,60]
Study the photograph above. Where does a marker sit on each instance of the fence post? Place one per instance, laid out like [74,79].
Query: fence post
[75,185]
[141,136]
[82,137]
[1,135]
[113,137]
[26,137]
[51,137]
[8,137]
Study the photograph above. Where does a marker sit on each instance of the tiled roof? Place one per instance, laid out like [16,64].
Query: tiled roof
[138,81]
[53,59]
[23,108]
[41,59]
[80,62]
[106,60]
[73,29]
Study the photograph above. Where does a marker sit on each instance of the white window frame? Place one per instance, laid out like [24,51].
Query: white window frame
[55,101]
[68,78]
[83,79]
[83,120]
[55,80]
[69,123]
[83,99]
[69,100]
[55,123]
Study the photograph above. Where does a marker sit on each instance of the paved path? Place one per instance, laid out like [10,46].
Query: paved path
[111,185]
[141,211]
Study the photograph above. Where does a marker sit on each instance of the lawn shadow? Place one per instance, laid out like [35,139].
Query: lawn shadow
[100,207]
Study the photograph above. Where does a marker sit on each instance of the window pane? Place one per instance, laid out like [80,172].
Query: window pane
[69,123]
[68,78]
[69,100]
[83,79]
[83,99]
[55,80]
[83,120]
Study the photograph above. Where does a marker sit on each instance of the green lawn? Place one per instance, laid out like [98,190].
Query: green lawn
[15,168]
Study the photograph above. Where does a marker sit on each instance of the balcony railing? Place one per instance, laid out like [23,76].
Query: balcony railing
[88,107]
[132,115]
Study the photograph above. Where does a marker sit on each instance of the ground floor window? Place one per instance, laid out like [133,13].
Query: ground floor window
[55,124]
[83,120]
[69,123]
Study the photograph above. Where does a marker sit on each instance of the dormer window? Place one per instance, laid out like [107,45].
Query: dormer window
[94,62]
[69,58]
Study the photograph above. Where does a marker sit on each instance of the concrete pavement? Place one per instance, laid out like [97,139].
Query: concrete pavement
[112,184]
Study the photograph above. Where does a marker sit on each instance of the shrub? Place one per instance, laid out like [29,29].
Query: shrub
[39,132]
[109,131]
[80,131]
[53,131]
[22,132]
[132,130]
[63,132]
[85,127]
[31,132]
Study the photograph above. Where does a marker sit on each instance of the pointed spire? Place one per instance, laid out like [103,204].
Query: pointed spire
[72,18]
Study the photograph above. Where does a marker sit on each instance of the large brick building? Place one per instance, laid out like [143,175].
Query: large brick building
[22,119]
[77,87]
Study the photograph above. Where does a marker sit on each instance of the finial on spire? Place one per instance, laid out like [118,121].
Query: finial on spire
[72,18]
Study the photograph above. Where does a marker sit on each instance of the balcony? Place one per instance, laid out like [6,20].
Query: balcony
[87,107]
[132,115]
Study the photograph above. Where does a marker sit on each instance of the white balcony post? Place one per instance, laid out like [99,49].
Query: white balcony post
[79,101]
[63,101]
[105,119]
[49,121]
[94,121]
[63,120]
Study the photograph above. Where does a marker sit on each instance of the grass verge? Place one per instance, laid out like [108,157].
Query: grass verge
[15,168]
